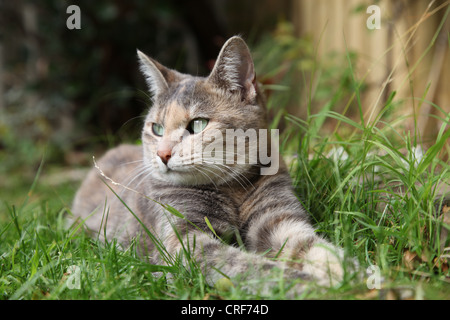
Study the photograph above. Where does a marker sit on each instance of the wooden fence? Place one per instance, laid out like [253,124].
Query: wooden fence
[409,53]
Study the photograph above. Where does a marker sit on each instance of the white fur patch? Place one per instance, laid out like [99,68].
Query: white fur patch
[324,263]
[291,234]
[230,71]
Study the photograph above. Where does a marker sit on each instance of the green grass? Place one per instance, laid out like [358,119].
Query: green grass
[378,202]
[353,201]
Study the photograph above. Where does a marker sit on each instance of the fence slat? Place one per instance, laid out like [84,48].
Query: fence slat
[394,57]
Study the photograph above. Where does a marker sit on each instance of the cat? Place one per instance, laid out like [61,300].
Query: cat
[236,198]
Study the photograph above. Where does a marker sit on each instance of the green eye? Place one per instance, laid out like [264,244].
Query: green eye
[158,129]
[197,125]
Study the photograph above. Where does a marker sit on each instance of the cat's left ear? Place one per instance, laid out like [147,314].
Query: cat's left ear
[157,76]
[234,70]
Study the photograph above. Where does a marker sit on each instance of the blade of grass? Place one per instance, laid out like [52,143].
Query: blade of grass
[166,256]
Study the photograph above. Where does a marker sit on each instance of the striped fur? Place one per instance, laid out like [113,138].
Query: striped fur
[262,210]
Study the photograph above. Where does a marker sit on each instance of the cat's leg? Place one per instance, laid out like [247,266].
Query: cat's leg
[280,225]
[217,260]
[291,238]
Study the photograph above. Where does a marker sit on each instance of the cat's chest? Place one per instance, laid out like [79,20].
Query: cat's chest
[196,203]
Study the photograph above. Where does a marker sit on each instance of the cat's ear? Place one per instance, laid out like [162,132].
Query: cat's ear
[156,75]
[234,70]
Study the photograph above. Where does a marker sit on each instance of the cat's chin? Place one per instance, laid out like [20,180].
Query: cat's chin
[207,176]
[188,175]
[184,178]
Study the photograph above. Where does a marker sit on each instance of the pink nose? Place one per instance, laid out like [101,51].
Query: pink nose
[165,155]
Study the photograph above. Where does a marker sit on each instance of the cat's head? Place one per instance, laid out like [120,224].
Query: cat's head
[181,134]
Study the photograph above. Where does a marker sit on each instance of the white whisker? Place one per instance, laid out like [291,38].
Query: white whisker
[206,175]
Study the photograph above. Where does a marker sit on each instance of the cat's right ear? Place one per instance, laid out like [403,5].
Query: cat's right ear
[234,70]
[156,75]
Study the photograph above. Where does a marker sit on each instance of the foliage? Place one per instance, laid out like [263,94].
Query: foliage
[81,89]
[296,82]
[368,186]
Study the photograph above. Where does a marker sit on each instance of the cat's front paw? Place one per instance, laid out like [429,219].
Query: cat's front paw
[324,263]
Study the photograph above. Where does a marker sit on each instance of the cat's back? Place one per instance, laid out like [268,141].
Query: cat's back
[119,164]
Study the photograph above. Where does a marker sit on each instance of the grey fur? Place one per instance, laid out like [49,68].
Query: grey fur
[263,209]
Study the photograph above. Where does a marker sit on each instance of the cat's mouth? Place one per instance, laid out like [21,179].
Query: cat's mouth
[170,167]
[188,173]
